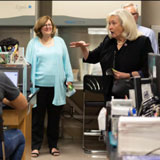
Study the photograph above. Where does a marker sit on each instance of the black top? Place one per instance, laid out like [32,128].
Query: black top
[132,56]
[7,88]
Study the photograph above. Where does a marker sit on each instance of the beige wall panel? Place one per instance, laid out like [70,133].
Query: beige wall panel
[150,13]
[87,9]
[22,34]
[10,9]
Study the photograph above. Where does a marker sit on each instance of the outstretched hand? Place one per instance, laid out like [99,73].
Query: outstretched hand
[79,44]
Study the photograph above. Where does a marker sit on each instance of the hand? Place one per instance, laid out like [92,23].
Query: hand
[83,45]
[120,75]
[68,83]
[79,44]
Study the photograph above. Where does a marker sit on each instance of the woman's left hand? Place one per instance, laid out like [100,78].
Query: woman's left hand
[68,83]
[120,75]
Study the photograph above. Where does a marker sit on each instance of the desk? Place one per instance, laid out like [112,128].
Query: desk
[22,120]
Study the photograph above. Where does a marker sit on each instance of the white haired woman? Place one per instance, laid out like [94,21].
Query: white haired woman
[124,52]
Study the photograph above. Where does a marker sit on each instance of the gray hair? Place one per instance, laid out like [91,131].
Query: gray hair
[128,23]
[131,5]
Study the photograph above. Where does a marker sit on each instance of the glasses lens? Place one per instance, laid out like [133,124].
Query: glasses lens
[47,25]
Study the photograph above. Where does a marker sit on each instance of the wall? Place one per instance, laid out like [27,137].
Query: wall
[22,34]
[10,9]
[70,34]
[85,13]
[65,13]
[150,13]
[87,9]
[17,13]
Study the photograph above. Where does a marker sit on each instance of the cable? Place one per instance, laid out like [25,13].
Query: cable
[152,151]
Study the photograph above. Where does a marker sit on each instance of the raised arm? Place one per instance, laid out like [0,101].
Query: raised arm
[83,45]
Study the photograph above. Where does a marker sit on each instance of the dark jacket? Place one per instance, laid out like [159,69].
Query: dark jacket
[133,55]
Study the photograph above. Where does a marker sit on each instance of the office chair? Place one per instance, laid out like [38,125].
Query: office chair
[92,84]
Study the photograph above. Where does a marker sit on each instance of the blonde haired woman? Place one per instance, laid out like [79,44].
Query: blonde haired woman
[123,49]
[130,31]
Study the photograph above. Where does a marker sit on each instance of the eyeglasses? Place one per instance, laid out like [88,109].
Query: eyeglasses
[134,14]
[47,25]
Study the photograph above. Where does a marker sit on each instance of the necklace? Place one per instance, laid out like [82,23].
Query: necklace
[120,42]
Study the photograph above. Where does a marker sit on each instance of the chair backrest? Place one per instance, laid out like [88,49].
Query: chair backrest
[93,83]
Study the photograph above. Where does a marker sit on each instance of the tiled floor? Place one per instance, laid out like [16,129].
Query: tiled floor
[70,150]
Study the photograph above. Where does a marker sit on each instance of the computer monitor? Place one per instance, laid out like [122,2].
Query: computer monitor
[12,75]
[19,68]
[154,72]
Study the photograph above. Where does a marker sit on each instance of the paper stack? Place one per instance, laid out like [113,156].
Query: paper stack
[119,107]
[141,158]
[139,135]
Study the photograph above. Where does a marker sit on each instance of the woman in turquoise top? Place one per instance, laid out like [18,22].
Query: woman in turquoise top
[51,69]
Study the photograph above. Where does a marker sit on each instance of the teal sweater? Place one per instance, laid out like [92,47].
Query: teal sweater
[50,67]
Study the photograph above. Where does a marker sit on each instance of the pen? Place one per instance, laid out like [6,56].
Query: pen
[114,70]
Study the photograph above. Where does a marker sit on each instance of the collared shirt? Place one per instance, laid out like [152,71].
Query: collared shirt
[150,33]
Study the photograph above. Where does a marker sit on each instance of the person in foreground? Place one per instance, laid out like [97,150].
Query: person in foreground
[123,53]
[13,138]
[51,71]
[133,9]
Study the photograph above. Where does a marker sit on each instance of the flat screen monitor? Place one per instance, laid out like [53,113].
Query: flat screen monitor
[13,76]
[19,68]
[154,72]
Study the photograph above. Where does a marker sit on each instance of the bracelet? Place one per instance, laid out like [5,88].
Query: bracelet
[130,74]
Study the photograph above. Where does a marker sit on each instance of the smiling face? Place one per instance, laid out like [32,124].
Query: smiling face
[47,28]
[115,27]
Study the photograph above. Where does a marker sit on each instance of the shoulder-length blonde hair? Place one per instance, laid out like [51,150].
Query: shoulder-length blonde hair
[40,23]
[128,23]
